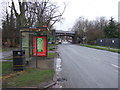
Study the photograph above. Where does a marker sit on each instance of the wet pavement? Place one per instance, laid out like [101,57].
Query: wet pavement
[58,78]
[41,63]
[58,73]
[5,55]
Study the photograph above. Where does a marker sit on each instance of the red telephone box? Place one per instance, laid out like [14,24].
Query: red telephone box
[40,46]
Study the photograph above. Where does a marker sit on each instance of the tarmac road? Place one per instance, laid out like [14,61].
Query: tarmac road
[88,68]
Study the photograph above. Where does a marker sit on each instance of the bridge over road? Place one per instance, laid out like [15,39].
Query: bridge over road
[60,34]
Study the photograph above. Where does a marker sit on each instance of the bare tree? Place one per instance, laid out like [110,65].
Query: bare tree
[20,17]
[90,30]
[47,13]
[81,27]
[38,13]
[30,14]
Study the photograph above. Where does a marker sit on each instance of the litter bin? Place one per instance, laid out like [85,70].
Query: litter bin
[18,60]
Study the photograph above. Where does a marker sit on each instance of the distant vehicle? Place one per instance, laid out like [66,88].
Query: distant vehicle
[49,42]
[59,42]
[65,42]
[56,41]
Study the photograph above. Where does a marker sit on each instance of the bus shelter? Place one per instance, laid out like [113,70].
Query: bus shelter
[34,42]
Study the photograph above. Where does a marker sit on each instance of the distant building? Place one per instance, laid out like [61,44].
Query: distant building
[119,11]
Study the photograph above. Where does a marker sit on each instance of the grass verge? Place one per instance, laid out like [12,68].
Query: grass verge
[29,77]
[107,49]
[6,67]
[51,47]
[6,49]
[0,69]
[0,49]
[52,55]
[9,58]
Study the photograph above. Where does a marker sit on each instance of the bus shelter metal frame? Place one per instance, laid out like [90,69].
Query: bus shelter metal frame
[36,32]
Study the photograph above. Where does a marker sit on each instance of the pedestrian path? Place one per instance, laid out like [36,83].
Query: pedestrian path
[42,63]
[6,55]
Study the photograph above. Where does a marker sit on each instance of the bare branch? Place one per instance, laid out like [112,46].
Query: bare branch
[13,6]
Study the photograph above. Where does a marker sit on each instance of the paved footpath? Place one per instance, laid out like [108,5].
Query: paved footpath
[6,54]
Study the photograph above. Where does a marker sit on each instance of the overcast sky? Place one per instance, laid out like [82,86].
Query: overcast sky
[89,9]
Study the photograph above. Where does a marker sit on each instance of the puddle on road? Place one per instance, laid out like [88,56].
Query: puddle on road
[58,77]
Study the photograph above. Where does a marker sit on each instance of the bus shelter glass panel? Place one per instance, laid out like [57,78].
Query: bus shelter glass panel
[31,42]
[25,43]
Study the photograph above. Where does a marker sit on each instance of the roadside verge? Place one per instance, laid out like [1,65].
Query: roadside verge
[31,77]
[102,48]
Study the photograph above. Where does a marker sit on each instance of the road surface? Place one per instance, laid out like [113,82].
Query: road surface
[88,68]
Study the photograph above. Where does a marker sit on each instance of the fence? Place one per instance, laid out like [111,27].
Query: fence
[111,42]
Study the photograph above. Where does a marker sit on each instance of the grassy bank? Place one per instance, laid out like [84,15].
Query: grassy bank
[0,69]
[52,44]
[0,49]
[6,67]
[51,47]
[102,48]
[52,55]
[6,49]
[29,77]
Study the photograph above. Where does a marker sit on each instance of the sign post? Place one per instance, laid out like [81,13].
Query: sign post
[39,47]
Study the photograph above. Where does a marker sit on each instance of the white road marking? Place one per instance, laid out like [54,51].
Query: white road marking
[115,66]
